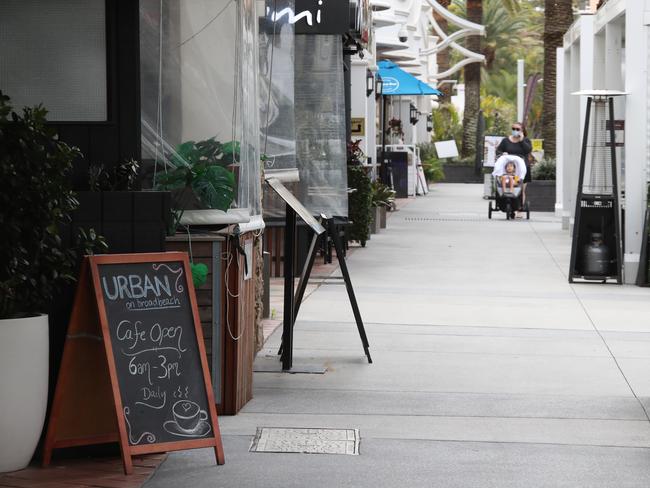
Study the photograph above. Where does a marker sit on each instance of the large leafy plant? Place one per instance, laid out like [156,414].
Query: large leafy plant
[35,202]
[200,175]
[382,195]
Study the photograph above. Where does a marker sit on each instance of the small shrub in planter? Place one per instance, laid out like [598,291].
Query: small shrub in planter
[433,170]
[35,205]
[359,204]
[36,202]
[544,170]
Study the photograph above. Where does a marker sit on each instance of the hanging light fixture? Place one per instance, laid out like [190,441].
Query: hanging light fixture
[429,123]
[379,86]
[413,114]
[370,82]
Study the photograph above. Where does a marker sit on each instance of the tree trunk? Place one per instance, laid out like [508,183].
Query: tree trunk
[472,74]
[442,58]
[558,17]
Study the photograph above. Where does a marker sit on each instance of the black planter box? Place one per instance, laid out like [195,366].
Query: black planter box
[541,195]
[455,173]
[130,221]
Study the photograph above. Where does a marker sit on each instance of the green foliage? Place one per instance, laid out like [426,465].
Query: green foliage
[123,177]
[355,154]
[359,204]
[514,30]
[382,195]
[544,170]
[433,171]
[201,176]
[446,124]
[35,202]
[499,115]
[431,165]
[209,151]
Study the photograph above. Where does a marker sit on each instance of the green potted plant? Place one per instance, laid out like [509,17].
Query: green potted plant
[35,205]
[203,176]
[383,198]
[360,197]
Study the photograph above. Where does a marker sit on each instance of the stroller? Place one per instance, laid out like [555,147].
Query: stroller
[506,201]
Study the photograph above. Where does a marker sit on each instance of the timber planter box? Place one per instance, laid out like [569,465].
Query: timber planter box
[541,195]
[456,173]
[227,304]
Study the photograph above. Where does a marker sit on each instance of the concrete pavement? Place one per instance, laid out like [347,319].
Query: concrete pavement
[490,370]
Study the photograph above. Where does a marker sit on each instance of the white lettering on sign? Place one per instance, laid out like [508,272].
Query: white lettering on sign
[293,17]
[134,286]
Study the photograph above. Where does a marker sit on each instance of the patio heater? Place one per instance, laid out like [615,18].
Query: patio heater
[596,251]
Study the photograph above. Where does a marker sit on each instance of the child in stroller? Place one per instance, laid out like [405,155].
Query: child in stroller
[509,170]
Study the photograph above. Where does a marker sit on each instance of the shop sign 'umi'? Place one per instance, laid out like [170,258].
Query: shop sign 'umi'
[292,17]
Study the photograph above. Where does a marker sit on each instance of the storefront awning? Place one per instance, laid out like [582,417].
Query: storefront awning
[397,82]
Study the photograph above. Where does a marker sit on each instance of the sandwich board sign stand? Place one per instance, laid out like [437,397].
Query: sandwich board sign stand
[134,369]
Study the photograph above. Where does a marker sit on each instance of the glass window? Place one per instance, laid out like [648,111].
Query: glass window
[54,53]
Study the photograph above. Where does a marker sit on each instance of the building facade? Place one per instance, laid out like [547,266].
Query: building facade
[607,49]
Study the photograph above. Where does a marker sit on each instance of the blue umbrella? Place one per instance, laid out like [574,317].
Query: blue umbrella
[397,82]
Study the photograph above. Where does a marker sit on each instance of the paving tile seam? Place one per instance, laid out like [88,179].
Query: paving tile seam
[524,443]
[593,324]
[461,353]
[368,324]
[440,392]
[440,416]
[365,437]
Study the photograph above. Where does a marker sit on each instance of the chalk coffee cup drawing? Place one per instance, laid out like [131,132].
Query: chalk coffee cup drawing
[188,414]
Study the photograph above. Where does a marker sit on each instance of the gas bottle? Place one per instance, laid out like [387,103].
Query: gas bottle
[595,256]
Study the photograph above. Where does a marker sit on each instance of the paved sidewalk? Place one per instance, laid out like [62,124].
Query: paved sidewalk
[490,370]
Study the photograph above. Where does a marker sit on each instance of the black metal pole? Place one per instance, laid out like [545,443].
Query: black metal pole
[576,222]
[304,276]
[617,220]
[289,256]
[350,289]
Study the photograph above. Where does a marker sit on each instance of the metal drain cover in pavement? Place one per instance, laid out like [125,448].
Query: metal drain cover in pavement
[306,441]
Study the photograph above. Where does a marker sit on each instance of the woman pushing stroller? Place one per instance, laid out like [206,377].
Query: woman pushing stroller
[509,173]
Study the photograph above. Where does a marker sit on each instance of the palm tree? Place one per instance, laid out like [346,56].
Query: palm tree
[558,17]
[472,75]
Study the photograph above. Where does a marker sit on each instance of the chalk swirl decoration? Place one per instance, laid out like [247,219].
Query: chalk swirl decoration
[147,436]
[178,272]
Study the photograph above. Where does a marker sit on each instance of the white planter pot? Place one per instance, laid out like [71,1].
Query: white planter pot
[24,365]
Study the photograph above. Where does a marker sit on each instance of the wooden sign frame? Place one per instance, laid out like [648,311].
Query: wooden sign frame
[87,406]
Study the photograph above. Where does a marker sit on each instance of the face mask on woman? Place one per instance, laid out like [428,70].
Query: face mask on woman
[516,132]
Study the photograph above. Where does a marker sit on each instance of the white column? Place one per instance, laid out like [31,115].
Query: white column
[560,89]
[600,70]
[636,46]
[613,56]
[358,99]
[520,90]
[571,153]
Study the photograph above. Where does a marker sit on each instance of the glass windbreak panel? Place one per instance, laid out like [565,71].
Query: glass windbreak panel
[320,124]
[54,53]
[598,163]
[276,69]
[199,91]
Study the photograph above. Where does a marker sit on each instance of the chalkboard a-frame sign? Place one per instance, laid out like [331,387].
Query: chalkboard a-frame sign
[134,368]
